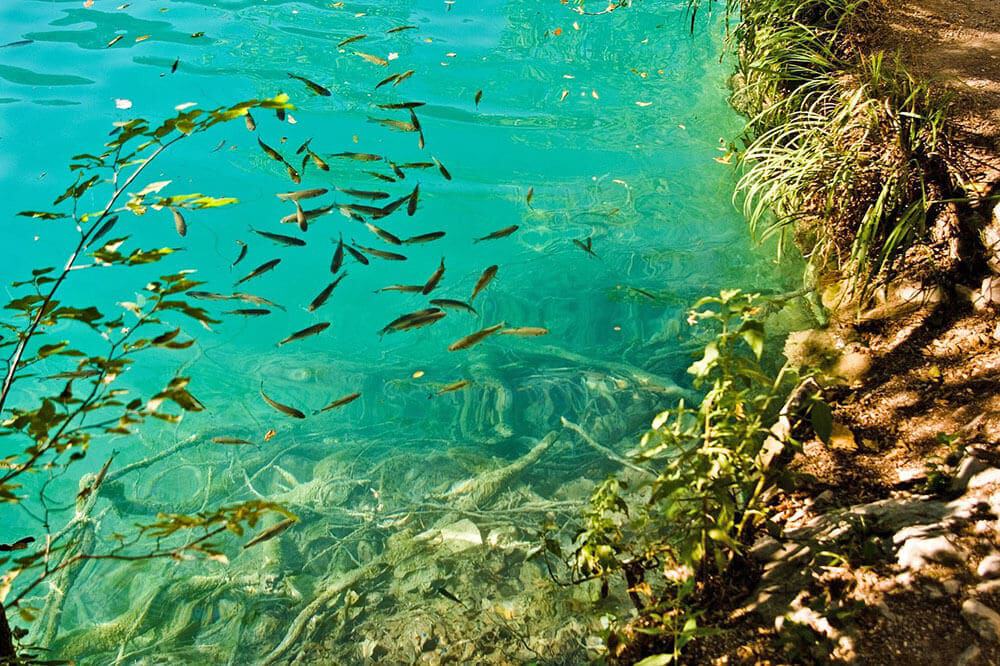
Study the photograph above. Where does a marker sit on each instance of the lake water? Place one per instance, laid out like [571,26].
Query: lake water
[613,123]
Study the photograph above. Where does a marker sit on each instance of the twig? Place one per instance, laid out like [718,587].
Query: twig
[603,450]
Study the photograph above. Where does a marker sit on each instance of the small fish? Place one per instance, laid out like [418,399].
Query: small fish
[299,195]
[442,169]
[402,320]
[359,157]
[308,214]
[371,195]
[360,258]
[416,123]
[381,176]
[317,160]
[405,75]
[387,80]
[115,40]
[173,67]
[391,123]
[396,170]
[373,59]
[179,224]
[280,238]
[420,322]
[218,146]
[306,332]
[475,338]
[338,256]
[284,409]
[417,165]
[651,296]
[586,245]
[479,97]
[411,206]
[381,254]
[271,152]
[383,234]
[453,304]
[269,435]
[339,402]
[271,532]
[424,238]
[363,209]
[322,297]
[434,279]
[249,312]
[20,544]
[255,300]
[501,233]
[231,440]
[402,105]
[526,331]
[392,207]
[349,40]
[312,85]
[484,279]
[350,214]
[243,252]
[447,595]
[260,270]
[530,196]
[209,296]
[451,388]
[404,288]
[400,28]
[300,218]
[293,174]
[251,124]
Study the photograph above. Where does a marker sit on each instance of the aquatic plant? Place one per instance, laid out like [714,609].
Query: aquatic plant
[61,396]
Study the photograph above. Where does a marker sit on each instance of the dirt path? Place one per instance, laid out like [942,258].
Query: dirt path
[956,44]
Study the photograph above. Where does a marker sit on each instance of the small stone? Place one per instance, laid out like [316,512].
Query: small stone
[968,467]
[971,656]
[918,552]
[984,620]
[987,477]
[988,294]
[952,586]
[990,566]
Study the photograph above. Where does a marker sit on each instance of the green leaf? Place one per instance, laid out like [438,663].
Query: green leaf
[657,660]
[753,334]
[821,417]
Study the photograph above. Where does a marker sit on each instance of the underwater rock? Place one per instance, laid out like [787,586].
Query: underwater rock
[457,536]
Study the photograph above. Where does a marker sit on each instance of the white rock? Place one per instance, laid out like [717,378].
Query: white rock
[990,566]
[463,534]
[983,619]
[918,552]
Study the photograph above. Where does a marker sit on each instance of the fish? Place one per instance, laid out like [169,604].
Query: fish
[306,332]
[400,321]
[271,152]
[383,234]
[251,124]
[20,544]
[304,147]
[526,331]
[434,279]
[411,206]
[475,338]
[360,258]
[417,165]
[381,176]
[424,238]
[405,75]
[381,254]
[359,157]
[308,214]
[179,224]
[396,170]
[404,288]
[260,270]
[442,169]
[371,195]
[420,322]
[339,402]
[280,238]
[322,297]
[231,440]
[173,67]
[249,312]
[479,97]
[218,146]
[391,123]
[318,161]
[484,279]
[209,296]
[299,195]
[22,42]
[373,59]
[338,256]
[293,174]
[447,595]
[402,105]
[415,121]
[391,207]
[243,252]
[400,28]
[363,209]
[453,304]
[271,532]
[255,300]
[300,218]
[651,296]
[350,214]
[284,409]
[387,80]
[586,245]
[312,85]
[349,40]
[454,386]
[529,196]
[500,233]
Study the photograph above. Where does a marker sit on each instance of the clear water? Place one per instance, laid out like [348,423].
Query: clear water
[613,120]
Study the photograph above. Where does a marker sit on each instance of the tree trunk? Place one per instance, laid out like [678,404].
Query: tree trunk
[7,653]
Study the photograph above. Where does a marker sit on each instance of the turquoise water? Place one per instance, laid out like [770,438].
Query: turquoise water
[612,122]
